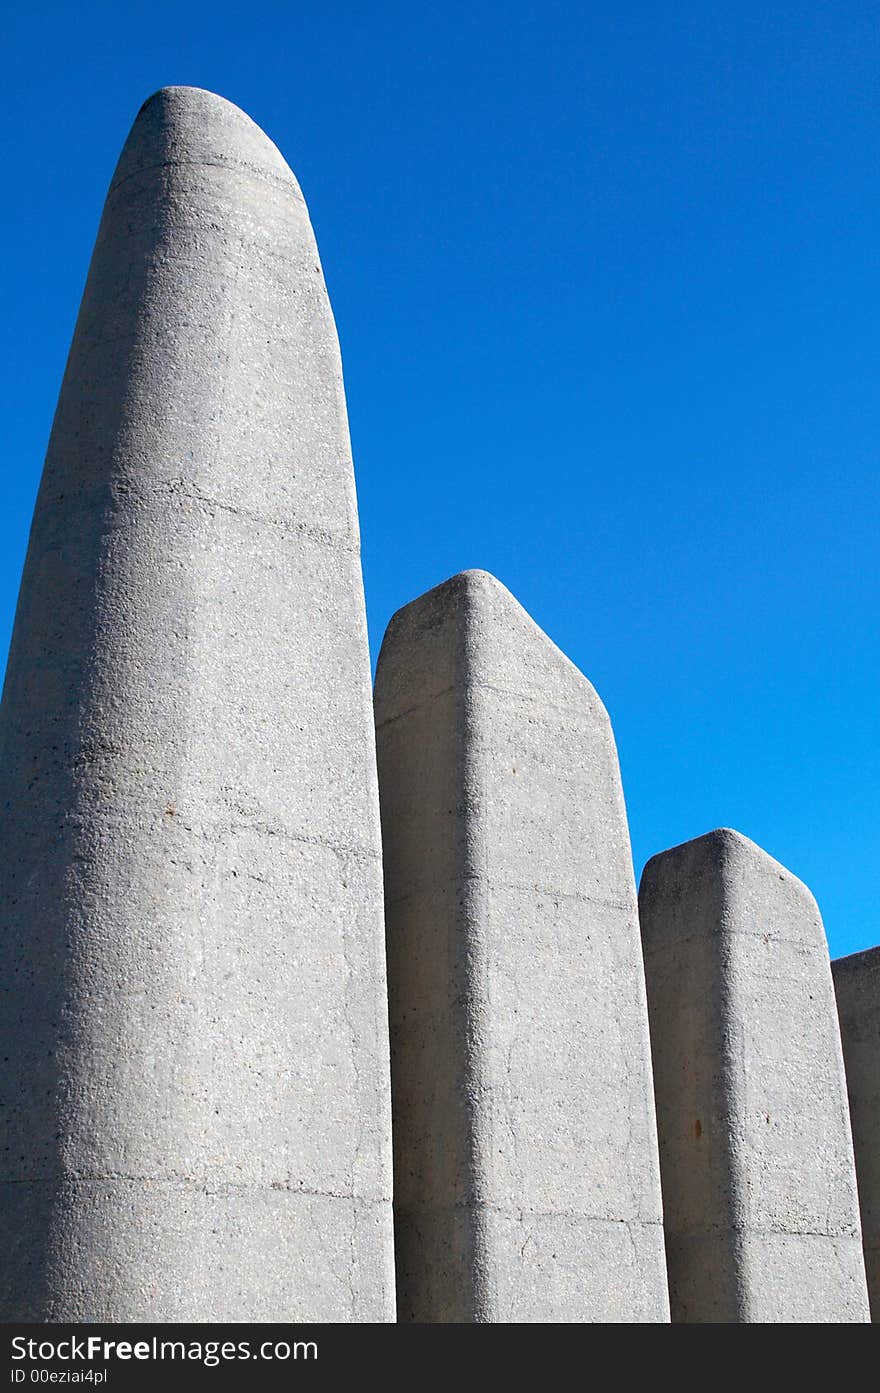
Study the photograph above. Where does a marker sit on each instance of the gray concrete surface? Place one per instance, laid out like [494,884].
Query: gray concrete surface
[194,1021]
[526,1170]
[756,1154]
[857,985]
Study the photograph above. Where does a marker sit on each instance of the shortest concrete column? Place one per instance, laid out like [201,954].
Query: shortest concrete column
[857,983]
[756,1158]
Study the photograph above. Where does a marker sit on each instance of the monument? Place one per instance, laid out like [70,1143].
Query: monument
[196,1025]
[759,1193]
[857,985]
[202,1063]
[526,1175]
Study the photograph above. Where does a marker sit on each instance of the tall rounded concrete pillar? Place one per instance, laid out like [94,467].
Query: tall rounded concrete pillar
[195,1072]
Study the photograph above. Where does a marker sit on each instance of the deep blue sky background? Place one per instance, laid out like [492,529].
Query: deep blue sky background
[607,283]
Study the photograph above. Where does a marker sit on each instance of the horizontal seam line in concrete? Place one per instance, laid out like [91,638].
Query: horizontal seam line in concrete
[205,832]
[516,1212]
[470,685]
[173,1182]
[364,853]
[661,945]
[344,541]
[419,705]
[715,1230]
[256,171]
[477,877]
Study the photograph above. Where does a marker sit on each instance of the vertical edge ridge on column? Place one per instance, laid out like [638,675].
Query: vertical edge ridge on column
[526,1169]
[857,986]
[756,1160]
[195,1021]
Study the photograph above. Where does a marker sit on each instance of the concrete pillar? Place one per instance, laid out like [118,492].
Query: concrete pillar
[857,984]
[759,1189]
[526,1172]
[194,1017]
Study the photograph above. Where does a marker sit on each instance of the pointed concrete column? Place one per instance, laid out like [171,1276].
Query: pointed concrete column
[759,1191]
[194,1023]
[526,1171]
[857,984]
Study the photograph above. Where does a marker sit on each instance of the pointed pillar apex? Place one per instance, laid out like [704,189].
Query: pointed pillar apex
[469,629]
[722,864]
[189,125]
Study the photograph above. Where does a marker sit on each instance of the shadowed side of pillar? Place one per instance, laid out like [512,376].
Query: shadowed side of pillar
[857,986]
[756,1155]
[526,1171]
[194,1012]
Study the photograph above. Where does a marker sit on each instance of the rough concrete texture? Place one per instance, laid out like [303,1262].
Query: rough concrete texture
[194,1018]
[526,1171]
[756,1155]
[857,985]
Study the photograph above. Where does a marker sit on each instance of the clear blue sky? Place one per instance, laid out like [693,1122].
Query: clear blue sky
[608,288]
